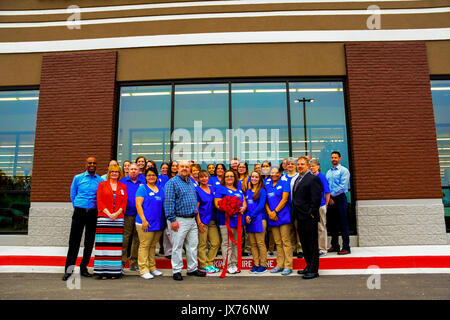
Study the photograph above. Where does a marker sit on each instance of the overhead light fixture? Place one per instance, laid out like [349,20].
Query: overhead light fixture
[440,88]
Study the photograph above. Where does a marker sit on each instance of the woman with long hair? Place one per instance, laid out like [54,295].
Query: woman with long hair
[173,169]
[256,221]
[218,175]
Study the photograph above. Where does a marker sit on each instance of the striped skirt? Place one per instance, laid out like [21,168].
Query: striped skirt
[108,247]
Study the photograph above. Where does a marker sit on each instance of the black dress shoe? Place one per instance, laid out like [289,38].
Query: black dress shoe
[245,254]
[304,271]
[300,255]
[66,276]
[197,273]
[310,275]
[177,276]
[85,273]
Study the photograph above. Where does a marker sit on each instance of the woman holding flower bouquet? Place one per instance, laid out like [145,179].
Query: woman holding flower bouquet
[256,222]
[229,188]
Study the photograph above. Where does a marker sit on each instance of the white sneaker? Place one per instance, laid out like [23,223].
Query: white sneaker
[147,276]
[232,270]
[156,273]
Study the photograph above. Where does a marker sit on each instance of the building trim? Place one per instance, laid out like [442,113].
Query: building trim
[216,38]
[178,5]
[222,15]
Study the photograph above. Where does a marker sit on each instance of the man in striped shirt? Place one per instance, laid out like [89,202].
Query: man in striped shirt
[181,207]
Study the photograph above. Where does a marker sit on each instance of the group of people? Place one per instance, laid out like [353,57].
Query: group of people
[179,207]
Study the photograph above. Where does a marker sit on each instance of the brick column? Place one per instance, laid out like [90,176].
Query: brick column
[394,150]
[76,119]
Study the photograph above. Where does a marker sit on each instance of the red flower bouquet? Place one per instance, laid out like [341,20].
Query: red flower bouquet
[231,206]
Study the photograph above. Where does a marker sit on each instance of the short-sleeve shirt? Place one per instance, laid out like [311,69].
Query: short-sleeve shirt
[255,210]
[326,188]
[214,181]
[206,208]
[274,196]
[152,207]
[221,192]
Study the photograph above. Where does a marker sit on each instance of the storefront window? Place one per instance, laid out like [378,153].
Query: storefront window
[18,111]
[440,90]
[144,123]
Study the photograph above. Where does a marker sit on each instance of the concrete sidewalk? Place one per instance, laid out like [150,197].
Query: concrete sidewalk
[362,261]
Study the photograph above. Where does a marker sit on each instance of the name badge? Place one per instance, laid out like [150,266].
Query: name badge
[271,194]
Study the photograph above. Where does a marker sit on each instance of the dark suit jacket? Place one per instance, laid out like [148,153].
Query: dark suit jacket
[306,197]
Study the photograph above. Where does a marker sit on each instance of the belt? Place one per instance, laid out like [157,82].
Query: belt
[188,216]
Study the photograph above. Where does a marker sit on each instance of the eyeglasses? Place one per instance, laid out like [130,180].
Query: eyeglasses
[92,162]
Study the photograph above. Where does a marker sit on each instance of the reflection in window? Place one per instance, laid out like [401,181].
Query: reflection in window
[260,110]
[18,111]
[206,107]
[325,121]
[440,91]
[144,123]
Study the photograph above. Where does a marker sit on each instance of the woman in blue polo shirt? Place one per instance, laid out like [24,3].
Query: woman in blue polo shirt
[256,222]
[150,222]
[206,221]
[279,220]
[229,188]
[218,174]
[163,176]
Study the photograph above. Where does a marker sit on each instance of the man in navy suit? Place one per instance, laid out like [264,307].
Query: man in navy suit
[306,193]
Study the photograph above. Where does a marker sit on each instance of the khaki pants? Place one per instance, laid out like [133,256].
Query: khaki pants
[282,236]
[322,226]
[259,250]
[146,252]
[211,234]
[232,252]
[295,239]
[271,241]
[129,232]
[246,247]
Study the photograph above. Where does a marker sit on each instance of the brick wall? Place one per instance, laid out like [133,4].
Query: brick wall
[76,119]
[393,135]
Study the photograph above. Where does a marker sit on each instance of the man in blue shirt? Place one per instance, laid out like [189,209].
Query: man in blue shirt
[314,166]
[132,181]
[338,178]
[181,207]
[83,194]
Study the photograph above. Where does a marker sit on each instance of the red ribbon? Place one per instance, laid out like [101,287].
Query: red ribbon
[231,205]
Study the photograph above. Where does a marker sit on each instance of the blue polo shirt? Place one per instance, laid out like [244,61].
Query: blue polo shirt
[274,197]
[213,181]
[222,192]
[338,180]
[256,211]
[152,207]
[162,180]
[131,193]
[83,192]
[206,207]
[325,189]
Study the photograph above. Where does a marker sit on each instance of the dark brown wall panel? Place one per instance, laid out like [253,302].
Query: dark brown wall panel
[394,149]
[76,119]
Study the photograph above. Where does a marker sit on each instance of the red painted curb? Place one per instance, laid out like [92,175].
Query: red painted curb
[347,262]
